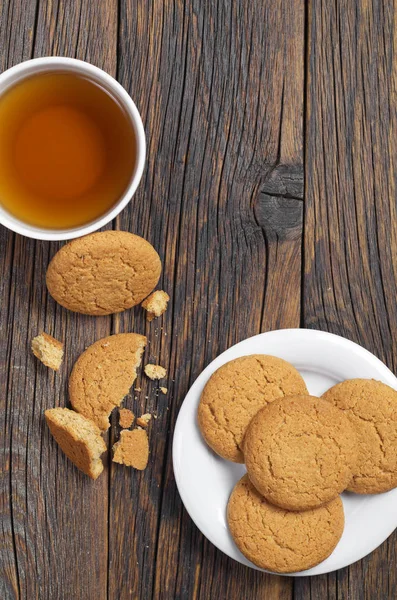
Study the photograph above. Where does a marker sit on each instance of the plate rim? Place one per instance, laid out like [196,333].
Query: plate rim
[219,360]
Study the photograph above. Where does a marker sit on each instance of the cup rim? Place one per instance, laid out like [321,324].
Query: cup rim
[42,64]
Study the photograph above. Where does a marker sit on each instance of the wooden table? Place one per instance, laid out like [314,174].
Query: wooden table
[270,194]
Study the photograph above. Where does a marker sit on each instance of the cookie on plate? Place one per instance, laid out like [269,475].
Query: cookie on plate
[103,273]
[79,438]
[279,540]
[300,452]
[371,407]
[104,374]
[235,393]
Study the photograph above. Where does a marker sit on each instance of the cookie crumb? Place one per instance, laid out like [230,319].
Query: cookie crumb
[155,371]
[126,418]
[155,304]
[133,449]
[143,420]
[163,390]
[138,389]
[48,350]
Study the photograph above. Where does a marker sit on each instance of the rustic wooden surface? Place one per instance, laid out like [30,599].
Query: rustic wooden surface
[270,194]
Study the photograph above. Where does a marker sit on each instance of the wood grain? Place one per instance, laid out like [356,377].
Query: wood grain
[350,213]
[53,518]
[231,93]
[224,124]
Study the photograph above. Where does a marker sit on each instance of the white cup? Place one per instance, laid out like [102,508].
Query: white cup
[51,63]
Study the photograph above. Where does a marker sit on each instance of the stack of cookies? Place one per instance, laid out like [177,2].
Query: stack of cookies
[301,453]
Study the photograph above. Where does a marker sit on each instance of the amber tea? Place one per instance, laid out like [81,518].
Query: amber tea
[67,150]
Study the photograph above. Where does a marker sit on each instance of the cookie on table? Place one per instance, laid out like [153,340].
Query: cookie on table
[235,393]
[133,449]
[156,304]
[103,273]
[278,540]
[371,407]
[48,350]
[79,438]
[103,375]
[126,418]
[144,420]
[155,371]
[300,452]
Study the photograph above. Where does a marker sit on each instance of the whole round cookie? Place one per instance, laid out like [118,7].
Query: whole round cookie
[103,273]
[278,540]
[300,452]
[371,407]
[235,393]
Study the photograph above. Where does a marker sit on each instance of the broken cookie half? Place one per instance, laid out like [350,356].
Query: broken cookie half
[79,438]
[103,375]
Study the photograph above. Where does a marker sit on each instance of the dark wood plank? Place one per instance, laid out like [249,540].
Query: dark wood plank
[220,88]
[55,521]
[16,35]
[281,218]
[350,217]
[80,29]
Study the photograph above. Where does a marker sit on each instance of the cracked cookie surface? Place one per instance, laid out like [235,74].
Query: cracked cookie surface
[279,540]
[103,273]
[104,374]
[371,407]
[300,452]
[235,393]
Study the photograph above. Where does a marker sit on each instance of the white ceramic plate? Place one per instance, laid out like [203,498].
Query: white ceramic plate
[205,480]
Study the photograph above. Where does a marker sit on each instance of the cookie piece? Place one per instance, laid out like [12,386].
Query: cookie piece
[155,304]
[104,374]
[278,540]
[126,418]
[103,273]
[79,438]
[48,350]
[155,371]
[371,407]
[300,452]
[133,449]
[235,393]
[143,420]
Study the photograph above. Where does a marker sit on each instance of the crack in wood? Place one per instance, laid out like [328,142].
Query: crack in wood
[279,216]
[284,181]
